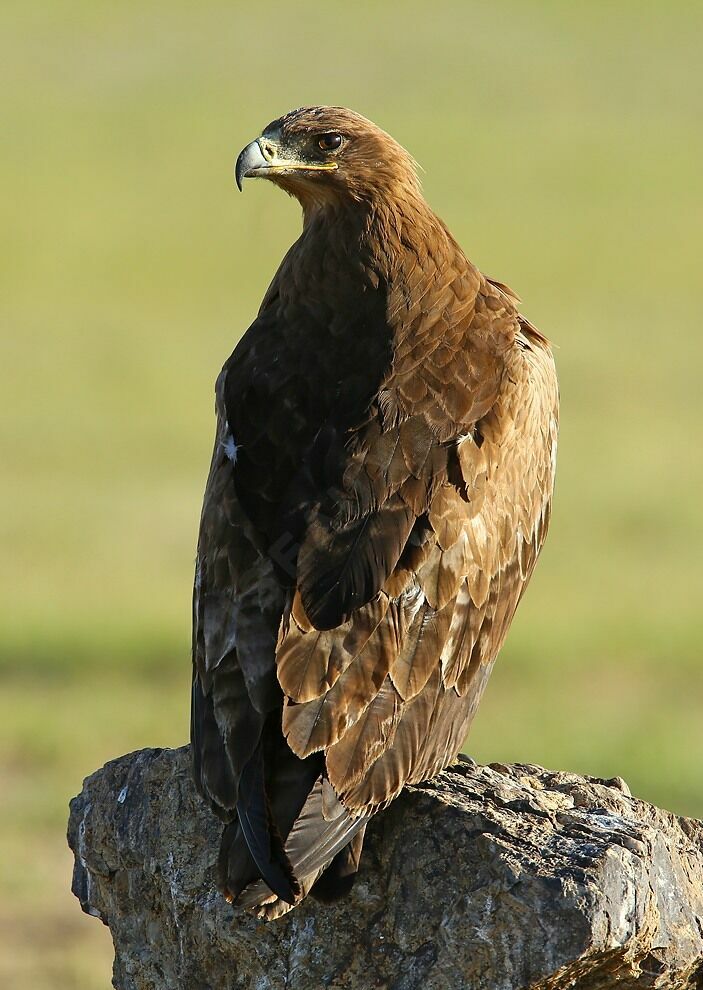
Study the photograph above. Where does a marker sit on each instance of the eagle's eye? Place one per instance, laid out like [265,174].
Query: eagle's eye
[329,142]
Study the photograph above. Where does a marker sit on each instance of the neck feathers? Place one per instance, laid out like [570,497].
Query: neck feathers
[389,234]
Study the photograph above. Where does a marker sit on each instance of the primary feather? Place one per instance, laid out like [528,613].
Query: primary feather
[379,493]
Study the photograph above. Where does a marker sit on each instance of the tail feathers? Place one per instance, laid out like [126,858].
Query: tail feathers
[322,829]
[261,834]
[338,879]
[235,867]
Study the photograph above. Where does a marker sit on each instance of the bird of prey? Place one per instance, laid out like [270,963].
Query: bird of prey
[379,492]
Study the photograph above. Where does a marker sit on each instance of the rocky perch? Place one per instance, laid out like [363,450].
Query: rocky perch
[486,878]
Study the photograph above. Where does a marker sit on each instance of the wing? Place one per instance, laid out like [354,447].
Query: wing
[270,413]
[387,696]
[242,765]
[237,605]
[233,584]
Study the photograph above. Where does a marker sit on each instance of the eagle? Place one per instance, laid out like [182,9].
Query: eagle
[379,493]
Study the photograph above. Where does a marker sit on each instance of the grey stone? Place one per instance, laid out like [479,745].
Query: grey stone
[486,878]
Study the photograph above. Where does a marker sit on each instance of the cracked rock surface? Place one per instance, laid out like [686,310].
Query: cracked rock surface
[486,878]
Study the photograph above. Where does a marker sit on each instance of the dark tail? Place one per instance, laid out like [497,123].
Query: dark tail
[289,831]
[261,833]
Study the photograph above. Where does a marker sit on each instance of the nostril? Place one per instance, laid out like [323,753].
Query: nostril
[267,150]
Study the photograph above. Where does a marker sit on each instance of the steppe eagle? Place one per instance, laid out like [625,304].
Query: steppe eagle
[379,492]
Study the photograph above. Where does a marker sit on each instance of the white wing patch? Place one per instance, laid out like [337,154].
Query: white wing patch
[230,448]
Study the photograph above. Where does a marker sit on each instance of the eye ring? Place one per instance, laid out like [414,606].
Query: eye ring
[329,142]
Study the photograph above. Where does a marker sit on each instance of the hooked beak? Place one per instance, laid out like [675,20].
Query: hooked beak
[261,159]
[249,163]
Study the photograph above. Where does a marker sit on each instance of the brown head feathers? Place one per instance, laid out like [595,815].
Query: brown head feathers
[336,156]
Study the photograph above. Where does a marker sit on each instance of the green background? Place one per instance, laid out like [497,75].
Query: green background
[561,142]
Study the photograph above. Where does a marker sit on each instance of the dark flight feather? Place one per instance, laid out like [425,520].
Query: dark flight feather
[260,832]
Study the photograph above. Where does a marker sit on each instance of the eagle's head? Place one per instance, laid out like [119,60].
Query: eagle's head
[329,155]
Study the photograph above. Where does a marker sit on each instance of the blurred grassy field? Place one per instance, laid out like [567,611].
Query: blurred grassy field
[562,144]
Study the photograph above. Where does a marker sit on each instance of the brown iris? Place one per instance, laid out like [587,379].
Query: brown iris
[329,142]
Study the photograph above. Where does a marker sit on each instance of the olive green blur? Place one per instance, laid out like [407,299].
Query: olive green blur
[562,143]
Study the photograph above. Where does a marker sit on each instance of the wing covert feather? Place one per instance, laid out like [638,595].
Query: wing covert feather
[470,563]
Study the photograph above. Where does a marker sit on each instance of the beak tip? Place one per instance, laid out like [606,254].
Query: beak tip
[238,173]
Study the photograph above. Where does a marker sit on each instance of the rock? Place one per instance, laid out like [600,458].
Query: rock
[486,878]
